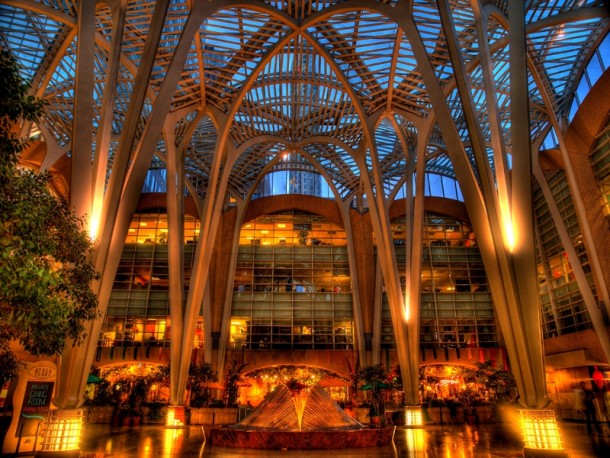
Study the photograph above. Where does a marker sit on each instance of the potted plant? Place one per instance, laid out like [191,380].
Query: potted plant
[232,383]
[499,386]
[375,380]
[201,379]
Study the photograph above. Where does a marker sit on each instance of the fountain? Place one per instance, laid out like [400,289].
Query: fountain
[300,419]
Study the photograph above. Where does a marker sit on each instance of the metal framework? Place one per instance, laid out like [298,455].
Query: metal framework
[372,93]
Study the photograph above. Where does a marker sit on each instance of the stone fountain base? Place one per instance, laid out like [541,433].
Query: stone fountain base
[301,418]
[301,440]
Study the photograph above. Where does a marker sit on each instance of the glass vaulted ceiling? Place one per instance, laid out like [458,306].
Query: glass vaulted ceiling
[338,82]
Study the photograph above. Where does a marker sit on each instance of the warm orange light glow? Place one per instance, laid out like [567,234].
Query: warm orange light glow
[175,416]
[508,229]
[416,441]
[539,429]
[172,440]
[407,308]
[96,216]
[413,416]
[62,430]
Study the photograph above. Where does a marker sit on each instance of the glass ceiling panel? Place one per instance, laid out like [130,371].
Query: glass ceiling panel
[59,96]
[250,166]
[29,36]
[68,7]
[200,150]
[174,23]
[427,18]
[463,20]
[136,28]
[391,155]
[232,42]
[362,43]
[339,164]
[598,64]
[409,91]
[559,52]
[536,10]
[298,95]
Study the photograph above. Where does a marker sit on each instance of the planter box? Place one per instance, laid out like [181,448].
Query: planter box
[155,416]
[441,415]
[213,415]
[362,415]
[100,414]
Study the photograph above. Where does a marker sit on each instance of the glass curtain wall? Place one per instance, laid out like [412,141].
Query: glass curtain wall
[456,306]
[292,286]
[138,309]
[562,305]
[600,162]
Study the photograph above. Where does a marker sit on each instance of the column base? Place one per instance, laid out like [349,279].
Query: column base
[176,417]
[413,417]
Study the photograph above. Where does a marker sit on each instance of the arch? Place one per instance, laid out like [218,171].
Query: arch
[311,204]
[331,365]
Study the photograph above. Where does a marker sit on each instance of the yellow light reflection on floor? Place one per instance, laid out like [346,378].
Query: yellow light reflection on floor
[172,440]
[416,442]
[539,429]
[147,448]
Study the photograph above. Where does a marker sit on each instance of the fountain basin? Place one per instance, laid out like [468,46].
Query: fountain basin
[301,440]
[301,418]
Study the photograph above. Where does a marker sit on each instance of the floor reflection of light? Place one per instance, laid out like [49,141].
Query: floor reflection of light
[172,439]
[472,436]
[416,442]
[109,445]
[147,448]
[460,443]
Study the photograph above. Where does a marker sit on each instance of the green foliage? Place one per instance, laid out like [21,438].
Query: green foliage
[373,375]
[131,390]
[308,375]
[232,383]
[498,380]
[375,378]
[45,270]
[15,104]
[395,378]
[199,377]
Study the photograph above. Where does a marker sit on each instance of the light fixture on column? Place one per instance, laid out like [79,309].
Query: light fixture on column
[413,416]
[61,433]
[541,434]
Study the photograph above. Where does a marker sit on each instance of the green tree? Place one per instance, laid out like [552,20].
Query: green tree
[498,380]
[375,379]
[45,270]
[199,379]
[232,381]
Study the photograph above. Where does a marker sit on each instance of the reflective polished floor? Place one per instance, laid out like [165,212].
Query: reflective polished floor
[488,440]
